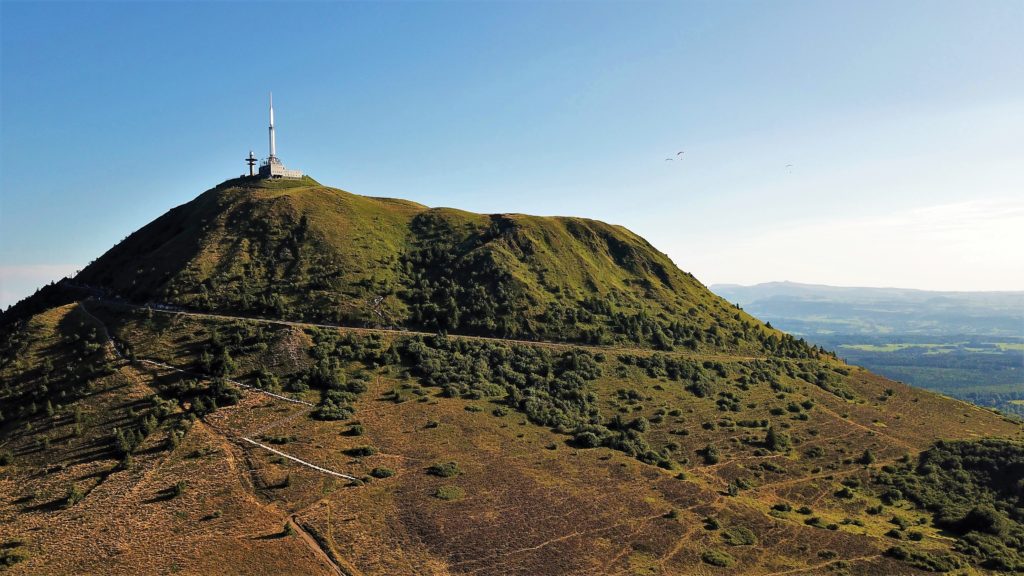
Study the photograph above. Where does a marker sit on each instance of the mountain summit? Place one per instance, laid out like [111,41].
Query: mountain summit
[284,378]
[296,249]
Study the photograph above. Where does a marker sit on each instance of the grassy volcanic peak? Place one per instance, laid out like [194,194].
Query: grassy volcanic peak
[303,251]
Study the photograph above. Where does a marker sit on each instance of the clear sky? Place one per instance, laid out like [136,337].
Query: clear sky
[903,123]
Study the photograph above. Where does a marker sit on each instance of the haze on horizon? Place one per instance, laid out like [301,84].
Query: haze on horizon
[902,123]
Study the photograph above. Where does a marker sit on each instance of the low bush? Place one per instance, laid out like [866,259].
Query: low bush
[449,492]
[717,558]
[925,560]
[739,536]
[382,472]
[11,555]
[444,469]
[74,496]
[179,488]
[711,455]
[361,451]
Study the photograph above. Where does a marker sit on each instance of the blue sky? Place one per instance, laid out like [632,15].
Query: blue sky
[903,122]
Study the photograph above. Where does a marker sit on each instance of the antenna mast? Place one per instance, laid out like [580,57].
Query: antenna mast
[273,147]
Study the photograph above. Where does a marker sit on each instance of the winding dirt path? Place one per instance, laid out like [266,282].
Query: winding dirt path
[403,332]
[299,461]
[315,546]
[228,380]
[300,530]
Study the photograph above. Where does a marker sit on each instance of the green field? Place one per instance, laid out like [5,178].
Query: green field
[939,348]
[981,370]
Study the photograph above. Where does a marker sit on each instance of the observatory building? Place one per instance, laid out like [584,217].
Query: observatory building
[272,167]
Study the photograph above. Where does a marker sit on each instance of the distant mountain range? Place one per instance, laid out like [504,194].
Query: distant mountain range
[813,310]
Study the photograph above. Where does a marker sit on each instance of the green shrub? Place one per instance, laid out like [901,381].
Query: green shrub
[361,451]
[277,440]
[925,560]
[739,536]
[11,555]
[776,441]
[382,472]
[844,493]
[816,522]
[444,469]
[717,558]
[711,455]
[587,440]
[179,488]
[449,492]
[74,496]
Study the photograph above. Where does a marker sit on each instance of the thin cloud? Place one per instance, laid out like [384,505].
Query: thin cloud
[966,245]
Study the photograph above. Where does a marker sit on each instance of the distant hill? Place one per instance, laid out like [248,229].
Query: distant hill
[287,378]
[966,344]
[811,309]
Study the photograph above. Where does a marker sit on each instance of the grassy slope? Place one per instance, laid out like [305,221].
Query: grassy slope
[305,251]
[528,501]
[531,504]
[126,522]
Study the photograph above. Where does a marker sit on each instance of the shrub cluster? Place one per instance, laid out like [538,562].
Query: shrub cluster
[974,490]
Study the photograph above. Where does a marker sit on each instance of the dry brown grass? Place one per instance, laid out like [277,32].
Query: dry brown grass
[526,509]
